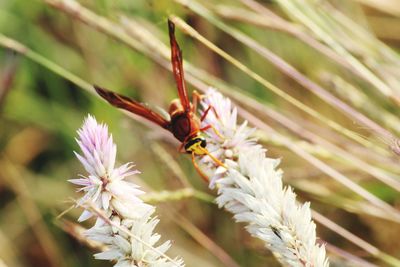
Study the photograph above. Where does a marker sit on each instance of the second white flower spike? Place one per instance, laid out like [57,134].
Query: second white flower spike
[251,189]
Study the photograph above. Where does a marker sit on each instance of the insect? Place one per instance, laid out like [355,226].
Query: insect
[184,124]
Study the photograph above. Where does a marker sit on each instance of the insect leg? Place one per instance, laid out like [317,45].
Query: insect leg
[210,107]
[205,128]
[196,98]
[199,171]
[217,161]
[205,113]
[180,148]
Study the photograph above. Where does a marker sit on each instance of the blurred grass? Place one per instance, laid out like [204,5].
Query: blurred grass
[42,105]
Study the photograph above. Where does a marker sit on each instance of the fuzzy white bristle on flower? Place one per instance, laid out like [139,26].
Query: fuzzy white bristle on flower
[251,188]
[127,230]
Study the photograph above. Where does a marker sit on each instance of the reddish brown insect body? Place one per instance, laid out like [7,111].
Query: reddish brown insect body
[183,124]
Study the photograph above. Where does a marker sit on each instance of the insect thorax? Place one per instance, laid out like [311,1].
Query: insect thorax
[184,126]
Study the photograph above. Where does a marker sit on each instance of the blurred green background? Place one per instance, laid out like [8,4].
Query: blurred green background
[41,111]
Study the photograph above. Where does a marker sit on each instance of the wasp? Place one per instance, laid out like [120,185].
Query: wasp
[184,124]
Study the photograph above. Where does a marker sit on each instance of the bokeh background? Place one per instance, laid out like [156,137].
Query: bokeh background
[348,49]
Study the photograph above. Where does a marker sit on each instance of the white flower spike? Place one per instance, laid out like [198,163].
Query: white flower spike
[251,188]
[106,188]
[103,182]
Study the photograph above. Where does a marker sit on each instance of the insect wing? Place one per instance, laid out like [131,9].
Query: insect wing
[177,68]
[128,104]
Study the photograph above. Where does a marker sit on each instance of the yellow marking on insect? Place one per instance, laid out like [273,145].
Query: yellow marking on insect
[196,148]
